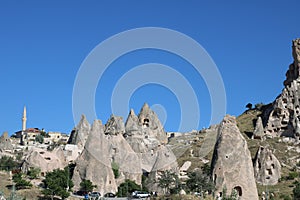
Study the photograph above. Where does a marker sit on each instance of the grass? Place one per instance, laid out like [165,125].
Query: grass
[246,123]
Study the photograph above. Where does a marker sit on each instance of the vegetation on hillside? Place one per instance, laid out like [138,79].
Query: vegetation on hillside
[57,183]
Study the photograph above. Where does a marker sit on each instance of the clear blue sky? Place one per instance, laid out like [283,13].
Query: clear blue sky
[43,44]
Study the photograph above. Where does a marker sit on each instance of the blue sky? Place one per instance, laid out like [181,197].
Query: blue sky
[44,43]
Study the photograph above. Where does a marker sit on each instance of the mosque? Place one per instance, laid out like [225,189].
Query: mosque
[28,136]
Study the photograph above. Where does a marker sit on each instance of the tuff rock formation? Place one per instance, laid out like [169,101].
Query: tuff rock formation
[259,129]
[120,151]
[282,119]
[114,126]
[80,134]
[267,168]
[138,147]
[94,163]
[147,138]
[47,161]
[5,143]
[232,165]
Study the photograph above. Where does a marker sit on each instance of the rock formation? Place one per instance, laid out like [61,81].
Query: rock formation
[5,143]
[80,134]
[283,117]
[267,168]
[151,125]
[147,138]
[47,161]
[114,126]
[232,165]
[259,129]
[94,163]
[133,149]
[121,152]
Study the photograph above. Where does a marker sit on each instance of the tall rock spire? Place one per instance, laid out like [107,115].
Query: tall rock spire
[294,69]
[231,164]
[24,119]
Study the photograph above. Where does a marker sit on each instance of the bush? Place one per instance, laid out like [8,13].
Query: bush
[285,197]
[115,168]
[259,106]
[292,175]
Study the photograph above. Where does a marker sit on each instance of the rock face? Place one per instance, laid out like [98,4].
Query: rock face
[47,161]
[80,134]
[259,129]
[5,143]
[132,149]
[267,168]
[283,118]
[120,151]
[232,165]
[94,163]
[147,138]
[114,126]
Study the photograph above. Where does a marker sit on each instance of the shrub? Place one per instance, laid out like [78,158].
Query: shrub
[115,168]
[292,175]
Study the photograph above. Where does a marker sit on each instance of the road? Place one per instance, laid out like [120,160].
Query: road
[110,198]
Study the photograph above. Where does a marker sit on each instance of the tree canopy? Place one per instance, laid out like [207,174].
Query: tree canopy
[20,182]
[168,180]
[127,187]
[87,186]
[199,182]
[58,182]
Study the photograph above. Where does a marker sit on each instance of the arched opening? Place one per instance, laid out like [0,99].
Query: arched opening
[239,191]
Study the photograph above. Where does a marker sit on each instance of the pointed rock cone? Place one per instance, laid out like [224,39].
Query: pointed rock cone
[232,165]
[267,168]
[81,132]
[94,164]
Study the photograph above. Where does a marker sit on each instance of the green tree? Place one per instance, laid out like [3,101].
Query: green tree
[127,188]
[58,183]
[167,180]
[20,182]
[249,106]
[87,186]
[199,182]
[34,173]
[39,139]
[8,163]
[296,190]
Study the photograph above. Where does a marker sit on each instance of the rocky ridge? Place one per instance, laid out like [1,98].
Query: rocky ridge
[282,119]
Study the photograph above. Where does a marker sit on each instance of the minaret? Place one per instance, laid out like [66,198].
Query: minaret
[24,119]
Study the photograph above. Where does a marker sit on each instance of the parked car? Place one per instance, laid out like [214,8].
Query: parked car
[80,193]
[140,194]
[95,194]
[109,194]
